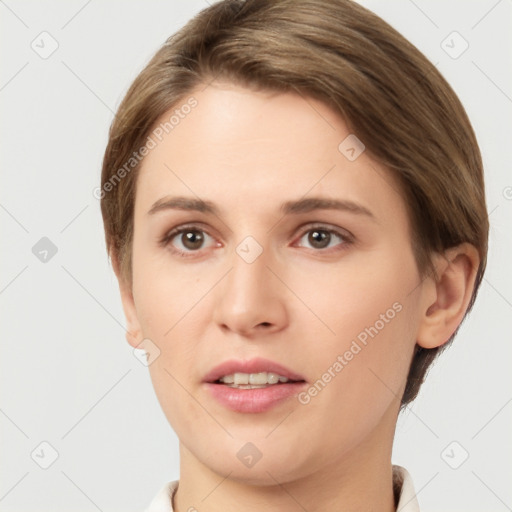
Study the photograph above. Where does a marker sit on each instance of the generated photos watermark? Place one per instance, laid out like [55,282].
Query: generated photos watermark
[156,136]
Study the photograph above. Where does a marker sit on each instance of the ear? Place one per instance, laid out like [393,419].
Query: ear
[133,331]
[447,295]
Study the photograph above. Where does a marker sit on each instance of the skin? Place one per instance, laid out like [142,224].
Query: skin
[298,304]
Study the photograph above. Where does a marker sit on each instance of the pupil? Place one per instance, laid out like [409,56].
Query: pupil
[192,239]
[319,239]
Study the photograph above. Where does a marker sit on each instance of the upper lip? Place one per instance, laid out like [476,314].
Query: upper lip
[256,365]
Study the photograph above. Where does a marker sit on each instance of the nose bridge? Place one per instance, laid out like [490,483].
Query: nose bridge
[249,296]
[250,273]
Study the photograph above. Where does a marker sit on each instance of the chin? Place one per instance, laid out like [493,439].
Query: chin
[245,464]
[262,474]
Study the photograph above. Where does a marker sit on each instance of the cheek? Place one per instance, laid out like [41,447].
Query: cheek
[165,297]
[373,318]
[358,378]
[349,300]
[172,308]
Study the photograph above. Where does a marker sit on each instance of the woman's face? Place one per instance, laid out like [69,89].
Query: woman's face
[264,270]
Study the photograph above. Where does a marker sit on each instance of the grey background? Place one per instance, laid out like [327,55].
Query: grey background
[69,378]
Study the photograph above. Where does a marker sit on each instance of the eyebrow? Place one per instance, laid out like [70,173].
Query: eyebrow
[289,207]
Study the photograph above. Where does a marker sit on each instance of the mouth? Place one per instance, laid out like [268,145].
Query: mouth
[253,386]
[242,380]
[250,374]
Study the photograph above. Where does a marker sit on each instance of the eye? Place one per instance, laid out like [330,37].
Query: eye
[322,237]
[187,239]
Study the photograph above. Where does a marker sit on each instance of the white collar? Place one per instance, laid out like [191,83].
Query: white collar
[408,502]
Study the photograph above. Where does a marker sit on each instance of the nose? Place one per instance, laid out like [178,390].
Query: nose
[251,300]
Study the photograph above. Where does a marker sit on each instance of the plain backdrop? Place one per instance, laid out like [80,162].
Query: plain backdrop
[73,395]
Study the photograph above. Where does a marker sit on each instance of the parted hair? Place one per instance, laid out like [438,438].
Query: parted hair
[387,92]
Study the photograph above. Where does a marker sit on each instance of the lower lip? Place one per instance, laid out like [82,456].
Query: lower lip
[253,400]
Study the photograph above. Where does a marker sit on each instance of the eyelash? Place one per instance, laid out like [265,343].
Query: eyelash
[165,241]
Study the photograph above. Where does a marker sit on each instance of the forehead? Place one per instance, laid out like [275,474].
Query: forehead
[247,148]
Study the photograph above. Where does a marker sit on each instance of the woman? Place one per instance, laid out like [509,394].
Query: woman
[294,206]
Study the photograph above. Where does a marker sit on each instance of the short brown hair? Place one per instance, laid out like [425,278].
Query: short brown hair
[384,88]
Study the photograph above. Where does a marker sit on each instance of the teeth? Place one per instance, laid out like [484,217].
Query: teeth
[254,379]
[241,378]
[273,378]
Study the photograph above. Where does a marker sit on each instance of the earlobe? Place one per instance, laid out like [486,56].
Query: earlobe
[447,295]
[133,329]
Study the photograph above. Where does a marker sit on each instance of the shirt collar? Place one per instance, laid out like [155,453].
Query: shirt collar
[408,502]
